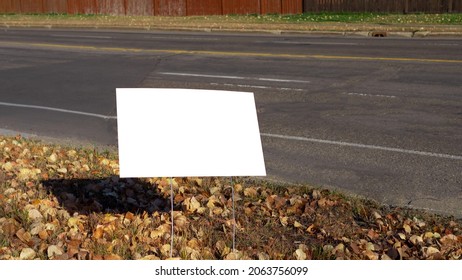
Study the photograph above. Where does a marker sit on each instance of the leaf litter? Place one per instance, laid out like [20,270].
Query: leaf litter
[69,203]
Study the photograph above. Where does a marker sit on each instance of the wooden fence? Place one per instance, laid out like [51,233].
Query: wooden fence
[386,6]
[224,7]
[152,7]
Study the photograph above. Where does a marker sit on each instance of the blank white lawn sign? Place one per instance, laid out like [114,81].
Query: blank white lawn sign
[184,132]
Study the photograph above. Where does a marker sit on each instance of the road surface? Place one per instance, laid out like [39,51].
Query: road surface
[376,117]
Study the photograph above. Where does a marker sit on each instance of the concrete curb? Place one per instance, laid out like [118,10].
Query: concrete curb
[358,33]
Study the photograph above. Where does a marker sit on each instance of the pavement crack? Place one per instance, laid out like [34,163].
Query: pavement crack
[157,62]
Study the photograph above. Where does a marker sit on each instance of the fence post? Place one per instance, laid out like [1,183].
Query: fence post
[406,6]
[450,4]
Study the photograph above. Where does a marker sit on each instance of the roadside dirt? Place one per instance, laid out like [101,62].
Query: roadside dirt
[214,23]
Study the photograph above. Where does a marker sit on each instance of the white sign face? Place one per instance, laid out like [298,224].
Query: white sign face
[188,133]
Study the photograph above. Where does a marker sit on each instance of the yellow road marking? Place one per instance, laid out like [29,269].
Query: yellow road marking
[225,53]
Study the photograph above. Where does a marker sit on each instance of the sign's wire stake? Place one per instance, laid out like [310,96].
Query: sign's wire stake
[171,217]
[234,215]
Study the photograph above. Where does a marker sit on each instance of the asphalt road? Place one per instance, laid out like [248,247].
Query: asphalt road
[376,117]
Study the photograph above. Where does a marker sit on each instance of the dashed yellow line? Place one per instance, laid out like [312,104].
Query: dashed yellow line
[226,53]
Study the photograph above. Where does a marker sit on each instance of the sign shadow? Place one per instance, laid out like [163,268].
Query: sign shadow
[107,195]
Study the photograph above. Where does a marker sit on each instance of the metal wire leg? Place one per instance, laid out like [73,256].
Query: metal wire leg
[234,216]
[171,216]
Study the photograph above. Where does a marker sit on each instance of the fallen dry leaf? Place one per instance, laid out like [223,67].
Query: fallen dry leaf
[54,251]
[192,205]
[98,232]
[88,212]
[250,192]
[34,214]
[415,239]
[431,251]
[284,221]
[407,229]
[112,257]
[27,254]
[300,254]
[297,224]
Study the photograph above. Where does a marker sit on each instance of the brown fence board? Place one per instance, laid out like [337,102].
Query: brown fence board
[457,6]
[170,7]
[31,6]
[10,6]
[292,7]
[88,7]
[241,7]
[140,7]
[204,7]
[216,7]
[111,7]
[271,6]
[55,6]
